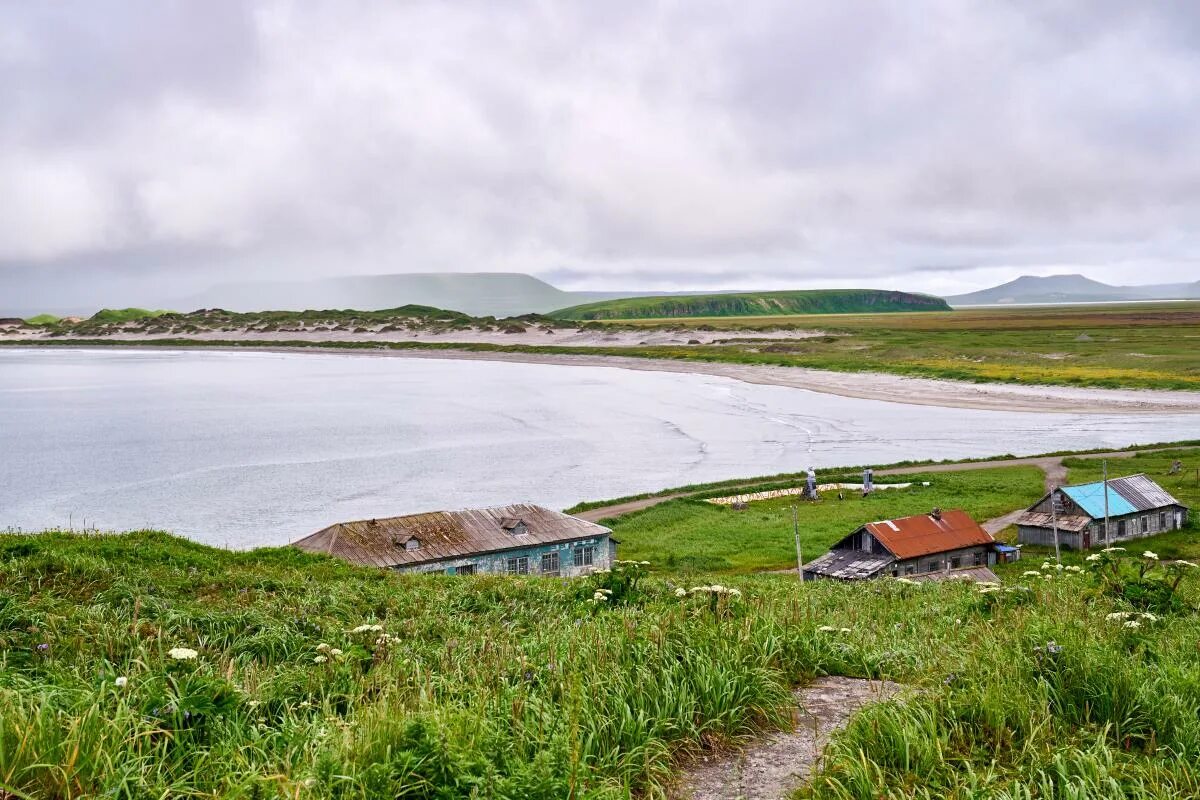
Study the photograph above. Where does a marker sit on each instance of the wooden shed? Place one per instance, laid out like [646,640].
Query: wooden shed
[1136,506]
[942,542]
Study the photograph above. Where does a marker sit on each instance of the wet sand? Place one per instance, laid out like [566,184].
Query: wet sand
[863,385]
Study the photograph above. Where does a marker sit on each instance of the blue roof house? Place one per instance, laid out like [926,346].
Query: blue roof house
[1136,506]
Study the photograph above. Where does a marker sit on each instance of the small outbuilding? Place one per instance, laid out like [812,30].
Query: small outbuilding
[1136,506]
[516,540]
[942,543]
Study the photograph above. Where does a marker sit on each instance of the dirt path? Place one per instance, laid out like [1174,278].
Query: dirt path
[1052,466]
[779,763]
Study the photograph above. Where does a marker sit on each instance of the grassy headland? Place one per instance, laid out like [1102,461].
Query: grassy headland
[754,304]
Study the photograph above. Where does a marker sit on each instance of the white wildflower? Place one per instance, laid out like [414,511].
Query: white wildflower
[320,660]
[644,563]
[182,653]
[681,592]
[1146,615]
[843,630]
[1118,615]
[335,652]
[1031,573]
[1183,563]
[1133,623]
[1113,550]
[1150,555]
[322,647]
[121,682]
[1095,557]
[826,629]
[735,593]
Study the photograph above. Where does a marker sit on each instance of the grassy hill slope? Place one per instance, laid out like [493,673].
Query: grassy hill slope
[754,304]
[306,678]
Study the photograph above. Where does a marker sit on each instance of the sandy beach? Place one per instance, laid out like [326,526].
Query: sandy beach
[864,385]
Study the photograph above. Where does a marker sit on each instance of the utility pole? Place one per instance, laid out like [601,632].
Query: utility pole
[1107,539]
[796,534]
[1054,501]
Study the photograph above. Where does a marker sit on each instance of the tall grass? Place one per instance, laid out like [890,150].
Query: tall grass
[511,687]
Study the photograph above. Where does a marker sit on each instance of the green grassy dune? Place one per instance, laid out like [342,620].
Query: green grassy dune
[817,301]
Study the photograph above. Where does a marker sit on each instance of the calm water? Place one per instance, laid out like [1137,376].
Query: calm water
[245,449]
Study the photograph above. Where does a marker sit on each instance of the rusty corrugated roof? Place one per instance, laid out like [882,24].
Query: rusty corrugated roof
[442,535]
[923,535]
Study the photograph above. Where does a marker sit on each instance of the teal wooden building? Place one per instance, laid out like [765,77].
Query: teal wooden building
[519,539]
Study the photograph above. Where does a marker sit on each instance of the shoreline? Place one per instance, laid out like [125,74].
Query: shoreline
[879,386]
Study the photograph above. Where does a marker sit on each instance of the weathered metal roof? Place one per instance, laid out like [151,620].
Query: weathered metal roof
[980,574]
[849,564]
[1042,519]
[1126,495]
[444,535]
[923,535]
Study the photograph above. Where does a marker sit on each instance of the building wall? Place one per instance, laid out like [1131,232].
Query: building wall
[1143,523]
[604,551]
[963,558]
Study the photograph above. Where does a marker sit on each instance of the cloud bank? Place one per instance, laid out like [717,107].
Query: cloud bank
[927,144]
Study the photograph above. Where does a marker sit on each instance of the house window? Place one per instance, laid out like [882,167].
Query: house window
[955,562]
[910,569]
[550,563]
[518,566]
[1145,524]
[1121,528]
[464,569]
[931,566]
[1162,520]
[585,556]
[978,558]
[413,544]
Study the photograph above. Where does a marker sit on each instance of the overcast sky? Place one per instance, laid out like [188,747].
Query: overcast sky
[937,146]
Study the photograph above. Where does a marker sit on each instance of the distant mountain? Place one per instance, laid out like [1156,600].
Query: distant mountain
[498,294]
[1030,289]
[755,304]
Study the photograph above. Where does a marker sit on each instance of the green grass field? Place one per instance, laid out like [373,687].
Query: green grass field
[303,677]
[525,688]
[692,535]
[1154,346]
[742,304]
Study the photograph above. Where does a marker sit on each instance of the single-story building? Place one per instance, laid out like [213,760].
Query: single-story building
[940,542]
[516,540]
[1137,506]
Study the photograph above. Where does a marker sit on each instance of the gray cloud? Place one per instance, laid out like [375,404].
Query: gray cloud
[661,144]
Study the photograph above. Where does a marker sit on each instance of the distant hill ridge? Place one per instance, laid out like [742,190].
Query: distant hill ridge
[498,294]
[1072,289]
[753,304]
